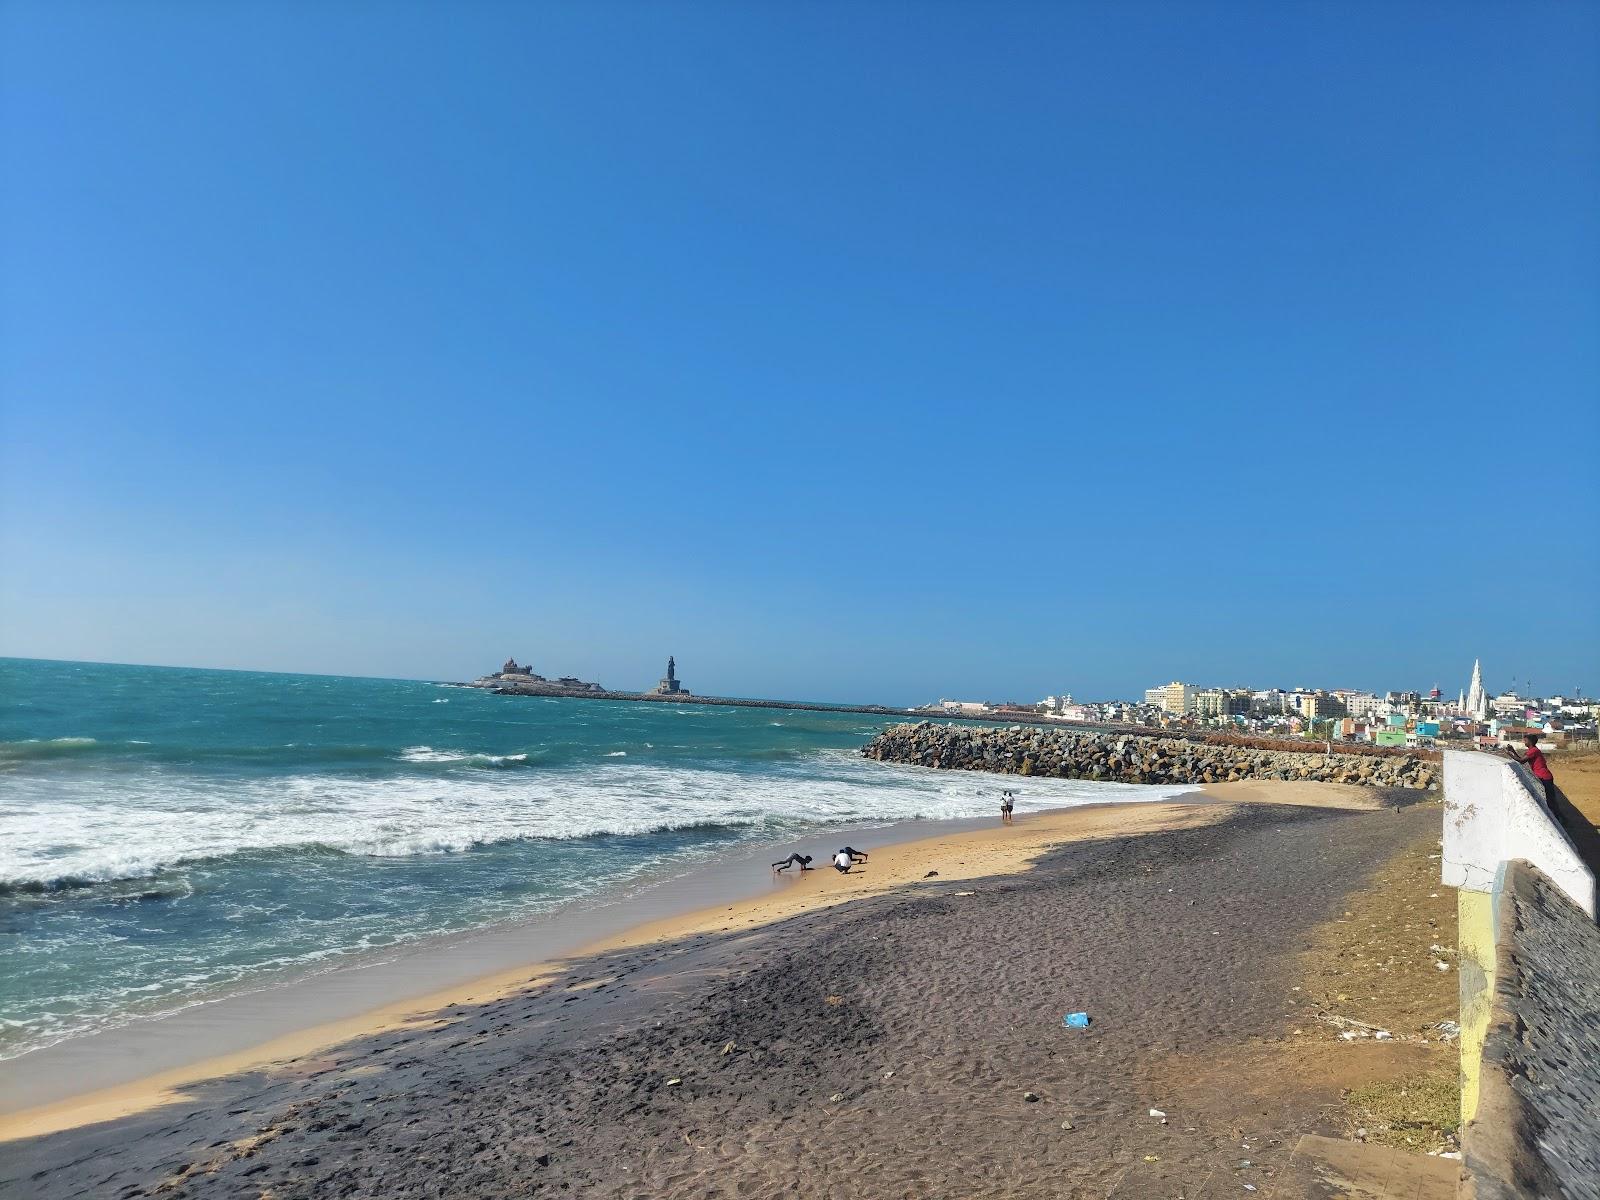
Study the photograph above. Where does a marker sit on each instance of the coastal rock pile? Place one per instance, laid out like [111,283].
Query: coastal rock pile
[1132,758]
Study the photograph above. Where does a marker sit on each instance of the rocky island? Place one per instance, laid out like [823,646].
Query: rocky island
[515,679]
[521,680]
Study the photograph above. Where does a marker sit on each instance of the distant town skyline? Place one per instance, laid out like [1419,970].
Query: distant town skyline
[624,683]
[853,353]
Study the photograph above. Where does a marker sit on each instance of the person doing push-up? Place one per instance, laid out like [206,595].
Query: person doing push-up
[803,859]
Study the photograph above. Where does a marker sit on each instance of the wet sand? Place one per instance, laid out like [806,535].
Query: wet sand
[879,1047]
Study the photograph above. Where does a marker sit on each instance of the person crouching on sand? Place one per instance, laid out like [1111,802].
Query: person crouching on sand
[803,859]
[1533,758]
[842,862]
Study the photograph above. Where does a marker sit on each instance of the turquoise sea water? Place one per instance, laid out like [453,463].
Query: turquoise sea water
[169,835]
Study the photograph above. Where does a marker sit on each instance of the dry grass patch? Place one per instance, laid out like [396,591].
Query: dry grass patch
[1414,1112]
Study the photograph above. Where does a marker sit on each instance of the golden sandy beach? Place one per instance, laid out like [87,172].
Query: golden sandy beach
[985,852]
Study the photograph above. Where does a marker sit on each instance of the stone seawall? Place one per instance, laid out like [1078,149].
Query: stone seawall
[1533,1136]
[1132,758]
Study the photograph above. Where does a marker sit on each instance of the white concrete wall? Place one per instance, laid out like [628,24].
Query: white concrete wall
[1494,812]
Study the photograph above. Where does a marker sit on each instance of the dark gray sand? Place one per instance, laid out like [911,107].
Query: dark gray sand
[886,1047]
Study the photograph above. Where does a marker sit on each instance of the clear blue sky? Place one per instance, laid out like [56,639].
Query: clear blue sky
[846,351]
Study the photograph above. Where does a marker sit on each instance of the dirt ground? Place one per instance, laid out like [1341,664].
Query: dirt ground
[1368,1016]
[1384,971]
[1578,776]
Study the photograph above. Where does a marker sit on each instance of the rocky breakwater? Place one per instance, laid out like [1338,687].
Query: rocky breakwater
[1133,758]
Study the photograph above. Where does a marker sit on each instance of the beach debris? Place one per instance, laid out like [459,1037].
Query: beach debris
[930,874]
[1156,1112]
[836,1097]
[1448,1030]
[1067,1125]
[1249,1187]
[1353,1028]
[729,1048]
[1442,966]
[966,893]
[1152,1158]
[888,1074]
[1031,1097]
[834,1000]
[542,1159]
[1076,1020]
[674,1082]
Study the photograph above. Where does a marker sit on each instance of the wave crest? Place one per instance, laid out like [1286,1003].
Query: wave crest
[427,754]
[37,748]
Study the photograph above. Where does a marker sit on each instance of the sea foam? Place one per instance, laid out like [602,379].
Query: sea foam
[86,831]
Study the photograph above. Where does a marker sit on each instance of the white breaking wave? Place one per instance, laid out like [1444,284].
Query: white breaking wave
[86,831]
[427,754]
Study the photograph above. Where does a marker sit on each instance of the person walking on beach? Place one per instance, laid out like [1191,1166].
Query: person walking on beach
[803,859]
[1006,802]
[1533,759]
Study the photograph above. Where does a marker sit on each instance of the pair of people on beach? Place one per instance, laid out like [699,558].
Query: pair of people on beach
[842,861]
[1007,800]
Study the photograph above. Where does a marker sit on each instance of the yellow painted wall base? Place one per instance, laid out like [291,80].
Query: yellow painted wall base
[1476,963]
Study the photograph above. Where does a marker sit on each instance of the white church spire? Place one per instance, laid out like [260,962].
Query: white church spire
[1477,698]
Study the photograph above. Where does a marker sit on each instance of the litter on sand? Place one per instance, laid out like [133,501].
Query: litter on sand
[1156,1112]
[1078,1020]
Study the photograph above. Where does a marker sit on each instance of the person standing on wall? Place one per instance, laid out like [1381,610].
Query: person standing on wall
[1533,759]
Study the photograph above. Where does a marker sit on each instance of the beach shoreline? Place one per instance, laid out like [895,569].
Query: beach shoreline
[128,1070]
[148,1062]
[830,1046]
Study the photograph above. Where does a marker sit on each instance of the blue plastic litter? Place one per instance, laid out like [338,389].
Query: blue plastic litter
[1076,1020]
